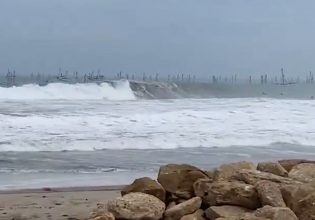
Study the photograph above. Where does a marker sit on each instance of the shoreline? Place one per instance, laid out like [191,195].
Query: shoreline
[64,203]
[62,189]
[244,180]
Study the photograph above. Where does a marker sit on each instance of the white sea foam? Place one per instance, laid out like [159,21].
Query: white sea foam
[118,90]
[154,124]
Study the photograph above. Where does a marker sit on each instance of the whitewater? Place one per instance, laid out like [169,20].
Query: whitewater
[117,90]
[86,125]
[92,133]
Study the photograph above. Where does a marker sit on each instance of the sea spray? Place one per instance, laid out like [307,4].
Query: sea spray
[115,90]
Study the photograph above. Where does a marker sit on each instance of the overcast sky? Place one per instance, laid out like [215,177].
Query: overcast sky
[167,36]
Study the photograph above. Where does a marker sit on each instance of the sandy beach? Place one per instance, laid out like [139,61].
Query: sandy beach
[55,204]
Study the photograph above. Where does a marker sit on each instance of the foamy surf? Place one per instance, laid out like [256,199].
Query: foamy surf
[88,125]
[115,90]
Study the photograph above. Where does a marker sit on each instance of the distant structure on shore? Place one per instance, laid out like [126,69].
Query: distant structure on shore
[11,78]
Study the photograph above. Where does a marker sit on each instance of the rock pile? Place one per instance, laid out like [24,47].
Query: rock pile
[283,190]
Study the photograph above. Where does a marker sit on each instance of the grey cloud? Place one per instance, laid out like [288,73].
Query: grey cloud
[201,37]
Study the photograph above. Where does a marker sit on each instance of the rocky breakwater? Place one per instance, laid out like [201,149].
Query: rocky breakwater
[281,190]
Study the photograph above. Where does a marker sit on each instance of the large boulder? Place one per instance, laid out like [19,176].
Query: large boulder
[145,185]
[135,206]
[304,172]
[269,193]
[197,215]
[305,208]
[272,167]
[292,194]
[301,199]
[178,179]
[214,212]
[289,164]
[227,193]
[185,208]
[227,171]
[276,213]
[253,176]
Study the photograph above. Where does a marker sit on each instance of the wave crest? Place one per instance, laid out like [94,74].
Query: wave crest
[114,90]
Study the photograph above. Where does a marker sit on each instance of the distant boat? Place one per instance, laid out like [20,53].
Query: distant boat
[286,83]
[96,78]
[62,77]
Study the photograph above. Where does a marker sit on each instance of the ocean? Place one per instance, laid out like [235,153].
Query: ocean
[92,134]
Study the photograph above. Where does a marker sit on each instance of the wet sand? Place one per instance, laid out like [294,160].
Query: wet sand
[54,204]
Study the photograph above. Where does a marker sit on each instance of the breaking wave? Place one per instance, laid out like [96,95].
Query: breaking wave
[114,90]
[131,90]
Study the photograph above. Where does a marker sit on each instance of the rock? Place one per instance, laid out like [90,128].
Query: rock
[181,201]
[104,216]
[269,193]
[179,179]
[305,208]
[246,216]
[171,204]
[187,207]
[173,198]
[211,173]
[292,194]
[288,194]
[145,185]
[272,167]
[197,215]
[289,164]
[276,213]
[301,199]
[101,213]
[227,193]
[214,212]
[304,172]
[253,176]
[227,171]
[135,206]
